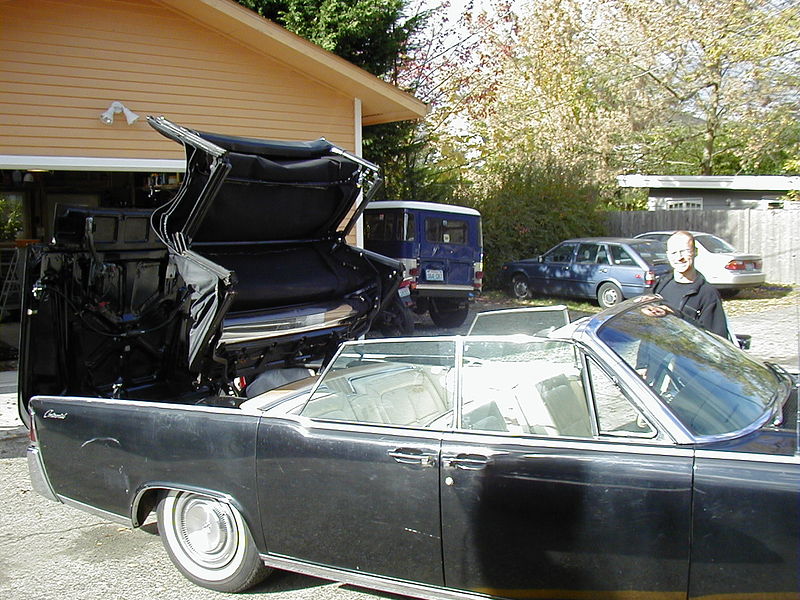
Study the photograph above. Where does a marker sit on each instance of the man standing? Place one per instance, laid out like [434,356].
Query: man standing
[686,291]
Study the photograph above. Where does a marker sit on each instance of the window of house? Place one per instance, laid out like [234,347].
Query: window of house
[684,204]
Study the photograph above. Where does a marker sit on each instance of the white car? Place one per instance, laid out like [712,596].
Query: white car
[720,263]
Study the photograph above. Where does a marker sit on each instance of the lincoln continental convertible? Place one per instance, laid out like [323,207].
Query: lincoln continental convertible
[625,455]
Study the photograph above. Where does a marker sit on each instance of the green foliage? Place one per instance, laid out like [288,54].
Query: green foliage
[368,33]
[534,206]
[412,169]
[10,218]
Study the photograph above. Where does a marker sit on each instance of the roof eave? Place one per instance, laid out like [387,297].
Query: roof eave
[381,101]
[712,182]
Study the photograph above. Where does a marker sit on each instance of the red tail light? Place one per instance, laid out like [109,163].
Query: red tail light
[649,278]
[32,431]
[736,265]
[414,272]
[477,278]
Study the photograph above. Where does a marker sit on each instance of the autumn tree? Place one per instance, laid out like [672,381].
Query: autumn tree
[676,86]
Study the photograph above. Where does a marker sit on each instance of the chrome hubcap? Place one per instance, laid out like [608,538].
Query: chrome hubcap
[207,531]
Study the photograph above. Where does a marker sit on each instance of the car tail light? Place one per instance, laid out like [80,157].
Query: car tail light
[736,265]
[649,278]
[413,273]
[758,264]
[477,281]
[32,431]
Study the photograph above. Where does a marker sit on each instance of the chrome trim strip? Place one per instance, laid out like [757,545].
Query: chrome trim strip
[374,582]
[612,445]
[449,288]
[748,456]
[142,404]
[159,485]
[99,512]
[594,445]
[38,474]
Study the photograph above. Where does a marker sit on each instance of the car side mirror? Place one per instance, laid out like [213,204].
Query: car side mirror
[540,258]
[743,341]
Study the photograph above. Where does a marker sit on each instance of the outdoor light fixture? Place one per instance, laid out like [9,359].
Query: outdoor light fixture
[107,117]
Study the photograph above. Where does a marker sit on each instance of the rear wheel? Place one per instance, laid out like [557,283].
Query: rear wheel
[209,542]
[519,287]
[449,313]
[397,320]
[608,294]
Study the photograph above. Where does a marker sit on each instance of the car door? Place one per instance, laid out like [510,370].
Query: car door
[585,270]
[353,482]
[564,493]
[552,275]
[626,271]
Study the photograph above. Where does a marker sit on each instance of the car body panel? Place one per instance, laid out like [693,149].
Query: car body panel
[592,522]
[386,498]
[511,466]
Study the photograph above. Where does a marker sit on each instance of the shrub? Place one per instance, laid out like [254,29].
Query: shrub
[531,208]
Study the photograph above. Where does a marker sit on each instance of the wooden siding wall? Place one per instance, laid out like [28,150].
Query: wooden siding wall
[64,61]
[771,233]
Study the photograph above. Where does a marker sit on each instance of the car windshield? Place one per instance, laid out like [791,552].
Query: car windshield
[654,252]
[712,387]
[714,244]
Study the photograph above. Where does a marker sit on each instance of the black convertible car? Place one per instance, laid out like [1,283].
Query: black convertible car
[627,455]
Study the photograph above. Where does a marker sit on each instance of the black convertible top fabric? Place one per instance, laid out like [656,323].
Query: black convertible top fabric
[270,148]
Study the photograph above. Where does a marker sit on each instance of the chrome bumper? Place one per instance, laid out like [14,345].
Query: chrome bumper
[39,481]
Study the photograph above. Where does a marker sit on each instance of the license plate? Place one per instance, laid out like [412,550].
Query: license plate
[749,267]
[403,292]
[434,274]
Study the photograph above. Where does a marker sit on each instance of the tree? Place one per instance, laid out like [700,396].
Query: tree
[677,86]
[368,33]
[725,71]
[532,207]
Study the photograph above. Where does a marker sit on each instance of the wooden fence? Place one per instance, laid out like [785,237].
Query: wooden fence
[774,234]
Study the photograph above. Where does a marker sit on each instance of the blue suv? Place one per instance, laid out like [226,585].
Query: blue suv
[441,247]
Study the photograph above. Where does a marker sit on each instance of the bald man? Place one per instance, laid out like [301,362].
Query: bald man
[686,291]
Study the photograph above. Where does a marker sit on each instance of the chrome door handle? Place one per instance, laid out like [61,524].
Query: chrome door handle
[409,456]
[469,462]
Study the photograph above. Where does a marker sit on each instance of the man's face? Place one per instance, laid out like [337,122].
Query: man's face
[680,251]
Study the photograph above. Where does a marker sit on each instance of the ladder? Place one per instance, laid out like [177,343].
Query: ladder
[9,296]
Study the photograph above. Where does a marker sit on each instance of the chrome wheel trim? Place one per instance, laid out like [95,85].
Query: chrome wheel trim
[207,536]
[610,296]
[520,286]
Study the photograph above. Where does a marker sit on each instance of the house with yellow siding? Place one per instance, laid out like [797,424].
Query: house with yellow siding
[210,65]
